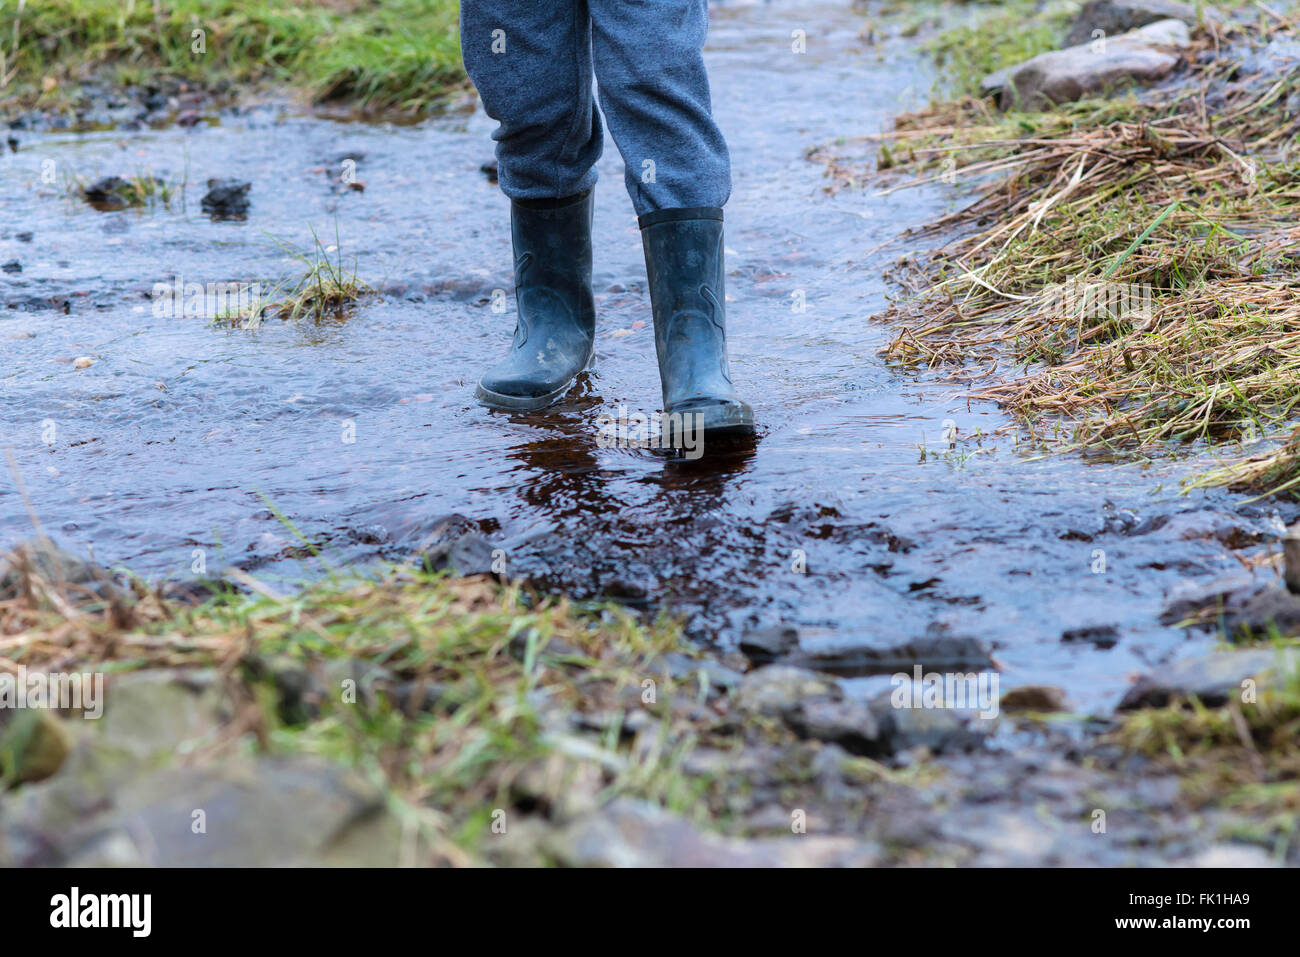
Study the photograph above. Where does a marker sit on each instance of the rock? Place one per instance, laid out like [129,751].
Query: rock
[1291,555]
[465,555]
[940,730]
[561,786]
[552,648]
[38,567]
[1114,17]
[82,362]
[936,652]
[1034,698]
[226,199]
[768,644]
[683,668]
[288,811]
[846,724]
[1062,76]
[775,689]
[1211,678]
[1271,609]
[628,833]
[877,729]
[33,744]
[13,267]
[1100,636]
[109,192]
[156,714]
[992,83]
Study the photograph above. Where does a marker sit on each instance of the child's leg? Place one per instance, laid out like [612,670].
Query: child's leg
[655,93]
[531,63]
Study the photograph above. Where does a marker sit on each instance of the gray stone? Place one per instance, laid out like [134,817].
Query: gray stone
[628,833]
[940,730]
[934,652]
[775,689]
[1258,616]
[39,566]
[847,724]
[285,811]
[1210,678]
[1140,56]
[768,644]
[468,554]
[1231,855]
[226,199]
[682,667]
[158,714]
[1114,17]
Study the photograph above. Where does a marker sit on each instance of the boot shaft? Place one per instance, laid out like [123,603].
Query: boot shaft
[552,257]
[685,267]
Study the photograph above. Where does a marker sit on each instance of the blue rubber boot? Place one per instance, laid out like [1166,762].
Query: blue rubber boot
[684,262]
[556,328]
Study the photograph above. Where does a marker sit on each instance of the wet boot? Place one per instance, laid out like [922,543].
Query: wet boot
[684,262]
[556,327]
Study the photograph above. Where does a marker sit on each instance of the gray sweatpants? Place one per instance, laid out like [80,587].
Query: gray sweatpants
[533,61]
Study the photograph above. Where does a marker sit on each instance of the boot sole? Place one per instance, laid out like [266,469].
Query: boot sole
[532,403]
[730,420]
[515,403]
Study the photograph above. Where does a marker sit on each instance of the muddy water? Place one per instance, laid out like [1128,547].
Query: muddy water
[363,432]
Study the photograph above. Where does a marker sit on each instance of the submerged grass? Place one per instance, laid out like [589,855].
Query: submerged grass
[327,288]
[395,54]
[1133,260]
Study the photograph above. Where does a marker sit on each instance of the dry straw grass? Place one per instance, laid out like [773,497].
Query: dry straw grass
[1181,204]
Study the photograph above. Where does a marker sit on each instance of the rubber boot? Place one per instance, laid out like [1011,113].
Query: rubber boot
[556,327]
[684,262]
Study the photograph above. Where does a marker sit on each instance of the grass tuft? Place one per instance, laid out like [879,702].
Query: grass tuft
[389,55]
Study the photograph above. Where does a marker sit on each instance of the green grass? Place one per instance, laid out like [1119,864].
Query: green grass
[394,54]
[1186,210]
[327,289]
[457,696]
[996,36]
